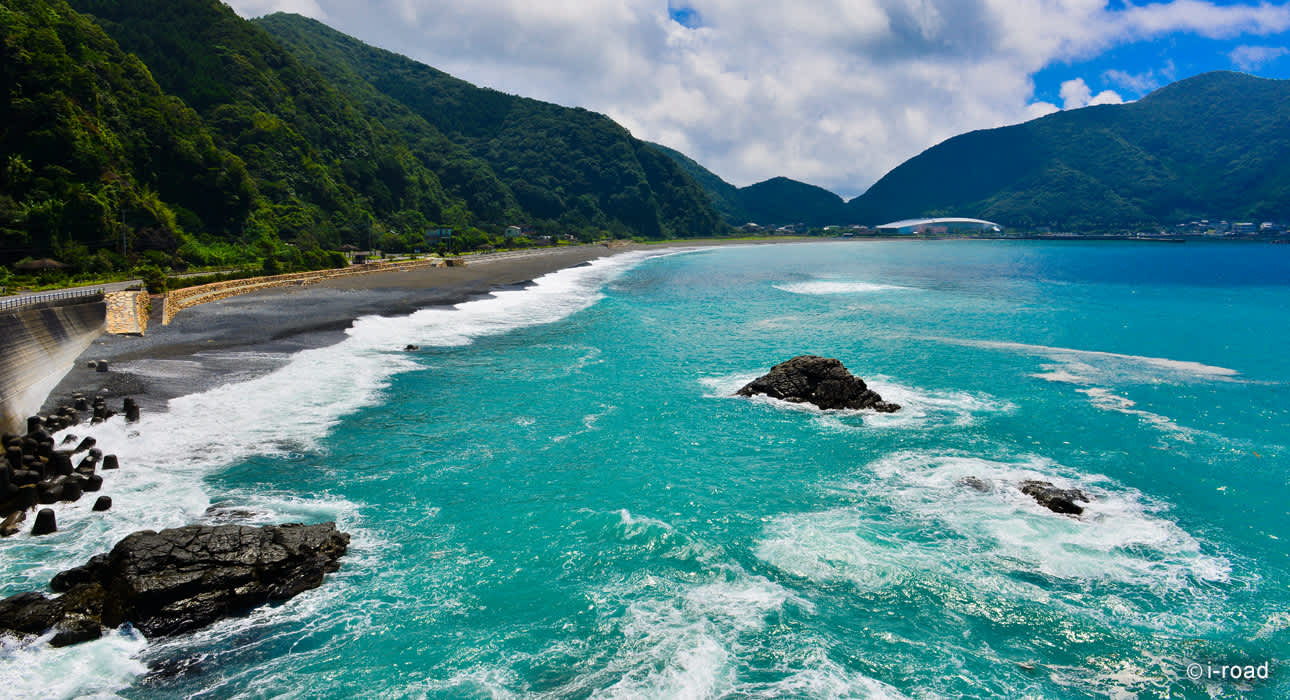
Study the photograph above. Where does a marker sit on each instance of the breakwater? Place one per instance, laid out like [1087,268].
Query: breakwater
[38,344]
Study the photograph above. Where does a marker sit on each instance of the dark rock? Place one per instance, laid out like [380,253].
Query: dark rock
[45,522]
[409,347]
[72,490]
[1055,499]
[34,423]
[166,670]
[12,523]
[92,364]
[180,579]
[102,503]
[88,464]
[91,483]
[102,366]
[14,456]
[28,613]
[979,484]
[61,464]
[80,403]
[131,410]
[109,462]
[74,630]
[49,492]
[821,381]
[86,444]
[67,440]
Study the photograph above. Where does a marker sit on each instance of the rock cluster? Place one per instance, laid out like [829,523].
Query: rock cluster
[36,472]
[822,381]
[178,580]
[1055,499]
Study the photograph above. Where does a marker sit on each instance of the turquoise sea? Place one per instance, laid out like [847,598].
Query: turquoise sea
[558,497]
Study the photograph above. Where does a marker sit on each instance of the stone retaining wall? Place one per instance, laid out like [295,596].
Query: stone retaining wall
[192,296]
[127,312]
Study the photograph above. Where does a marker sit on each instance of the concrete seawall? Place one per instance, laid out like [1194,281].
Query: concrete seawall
[38,345]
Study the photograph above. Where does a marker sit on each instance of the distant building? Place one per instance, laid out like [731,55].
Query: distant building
[437,235]
[513,231]
[939,227]
[1244,228]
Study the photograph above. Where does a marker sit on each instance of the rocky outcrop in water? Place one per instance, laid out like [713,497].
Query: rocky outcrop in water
[822,381]
[178,580]
[1057,500]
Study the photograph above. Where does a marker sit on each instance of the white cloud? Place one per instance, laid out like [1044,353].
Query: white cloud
[1254,57]
[833,92]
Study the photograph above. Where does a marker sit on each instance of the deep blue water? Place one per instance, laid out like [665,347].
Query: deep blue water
[558,496]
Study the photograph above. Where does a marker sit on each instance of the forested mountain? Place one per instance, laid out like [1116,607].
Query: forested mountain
[775,202]
[563,164]
[326,169]
[89,139]
[200,134]
[1215,145]
[783,201]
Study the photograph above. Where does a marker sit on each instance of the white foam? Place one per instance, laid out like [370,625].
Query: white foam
[96,669]
[1122,539]
[919,408]
[824,287]
[166,456]
[1107,400]
[1154,366]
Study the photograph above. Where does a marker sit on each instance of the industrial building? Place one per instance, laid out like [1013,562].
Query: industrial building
[940,227]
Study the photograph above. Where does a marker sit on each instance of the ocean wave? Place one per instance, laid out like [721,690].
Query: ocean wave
[994,542]
[823,287]
[166,456]
[1084,363]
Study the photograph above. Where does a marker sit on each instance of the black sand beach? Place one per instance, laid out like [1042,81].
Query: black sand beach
[242,337]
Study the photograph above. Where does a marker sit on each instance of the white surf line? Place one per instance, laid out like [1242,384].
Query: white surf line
[1162,363]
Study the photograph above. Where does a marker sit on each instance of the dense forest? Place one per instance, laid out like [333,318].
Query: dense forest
[1213,146]
[176,133]
[573,168]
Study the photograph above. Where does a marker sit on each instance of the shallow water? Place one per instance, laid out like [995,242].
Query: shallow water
[558,497]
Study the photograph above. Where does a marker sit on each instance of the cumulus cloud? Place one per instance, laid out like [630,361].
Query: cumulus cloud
[1076,93]
[833,92]
[1254,57]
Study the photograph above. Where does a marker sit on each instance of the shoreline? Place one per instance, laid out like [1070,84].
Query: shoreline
[246,336]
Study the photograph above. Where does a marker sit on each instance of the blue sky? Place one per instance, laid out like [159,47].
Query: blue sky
[831,92]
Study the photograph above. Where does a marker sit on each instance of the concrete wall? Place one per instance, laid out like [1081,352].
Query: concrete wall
[37,348]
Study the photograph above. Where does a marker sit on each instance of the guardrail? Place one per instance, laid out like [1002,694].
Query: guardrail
[22,300]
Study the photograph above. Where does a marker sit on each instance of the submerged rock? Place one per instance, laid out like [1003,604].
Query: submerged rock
[822,381]
[180,579]
[1055,499]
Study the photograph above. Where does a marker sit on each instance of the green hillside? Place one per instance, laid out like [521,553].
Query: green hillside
[564,165]
[1216,145]
[325,168]
[90,141]
[779,201]
[775,202]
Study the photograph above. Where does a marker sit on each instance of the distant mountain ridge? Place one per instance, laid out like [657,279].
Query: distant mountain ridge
[1215,145]
[778,201]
